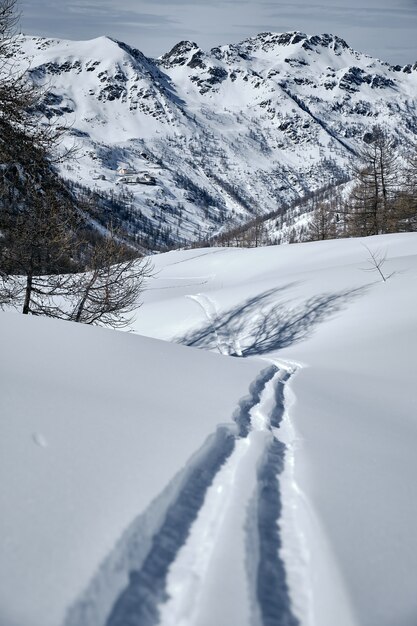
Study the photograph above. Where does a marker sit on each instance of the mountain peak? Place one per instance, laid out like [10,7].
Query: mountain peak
[326,40]
[180,54]
[268,41]
[252,124]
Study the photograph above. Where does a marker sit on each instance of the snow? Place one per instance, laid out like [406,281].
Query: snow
[218,540]
[353,408]
[94,425]
[201,488]
[231,133]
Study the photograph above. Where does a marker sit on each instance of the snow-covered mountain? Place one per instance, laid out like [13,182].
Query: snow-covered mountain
[226,134]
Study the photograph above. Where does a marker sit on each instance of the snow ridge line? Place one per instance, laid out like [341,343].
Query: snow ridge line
[137,604]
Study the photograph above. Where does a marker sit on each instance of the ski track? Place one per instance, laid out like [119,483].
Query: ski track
[197,256]
[213,558]
[226,345]
[176,286]
[203,280]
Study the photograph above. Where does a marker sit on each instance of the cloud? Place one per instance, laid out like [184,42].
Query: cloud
[375,26]
[76,20]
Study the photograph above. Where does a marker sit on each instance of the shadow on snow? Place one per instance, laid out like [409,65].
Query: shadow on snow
[263,326]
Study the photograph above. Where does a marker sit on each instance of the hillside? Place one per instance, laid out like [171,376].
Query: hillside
[218,136]
[149,483]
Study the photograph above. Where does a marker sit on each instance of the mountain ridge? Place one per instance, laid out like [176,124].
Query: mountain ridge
[229,133]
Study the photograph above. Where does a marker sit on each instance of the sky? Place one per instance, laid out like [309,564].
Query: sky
[386,29]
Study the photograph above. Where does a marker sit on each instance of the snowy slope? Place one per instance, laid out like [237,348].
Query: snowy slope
[228,134]
[95,425]
[350,498]
[150,483]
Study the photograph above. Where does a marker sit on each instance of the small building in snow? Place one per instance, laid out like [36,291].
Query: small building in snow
[125,171]
[137,179]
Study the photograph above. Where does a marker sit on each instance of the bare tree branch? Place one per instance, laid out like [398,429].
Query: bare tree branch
[376,262]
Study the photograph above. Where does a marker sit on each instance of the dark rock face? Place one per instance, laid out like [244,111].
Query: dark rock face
[355,77]
[179,54]
[197,61]
[212,79]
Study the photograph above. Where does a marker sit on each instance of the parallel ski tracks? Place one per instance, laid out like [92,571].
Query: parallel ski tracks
[215,558]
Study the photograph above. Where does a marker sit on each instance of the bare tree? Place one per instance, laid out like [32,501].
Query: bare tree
[372,201]
[322,225]
[407,200]
[34,205]
[38,249]
[49,262]
[8,291]
[376,260]
[18,96]
[108,292]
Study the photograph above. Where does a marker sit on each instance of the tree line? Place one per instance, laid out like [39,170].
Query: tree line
[377,195]
[382,197]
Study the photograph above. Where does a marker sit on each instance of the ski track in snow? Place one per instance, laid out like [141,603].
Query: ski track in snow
[208,551]
[225,344]
[196,256]
[230,571]
[202,280]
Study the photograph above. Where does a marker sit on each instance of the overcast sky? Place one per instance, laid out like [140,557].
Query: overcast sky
[383,28]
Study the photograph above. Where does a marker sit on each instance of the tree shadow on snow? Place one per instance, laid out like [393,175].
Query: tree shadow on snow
[258,326]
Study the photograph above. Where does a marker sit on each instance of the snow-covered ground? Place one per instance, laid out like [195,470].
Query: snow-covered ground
[94,426]
[149,483]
